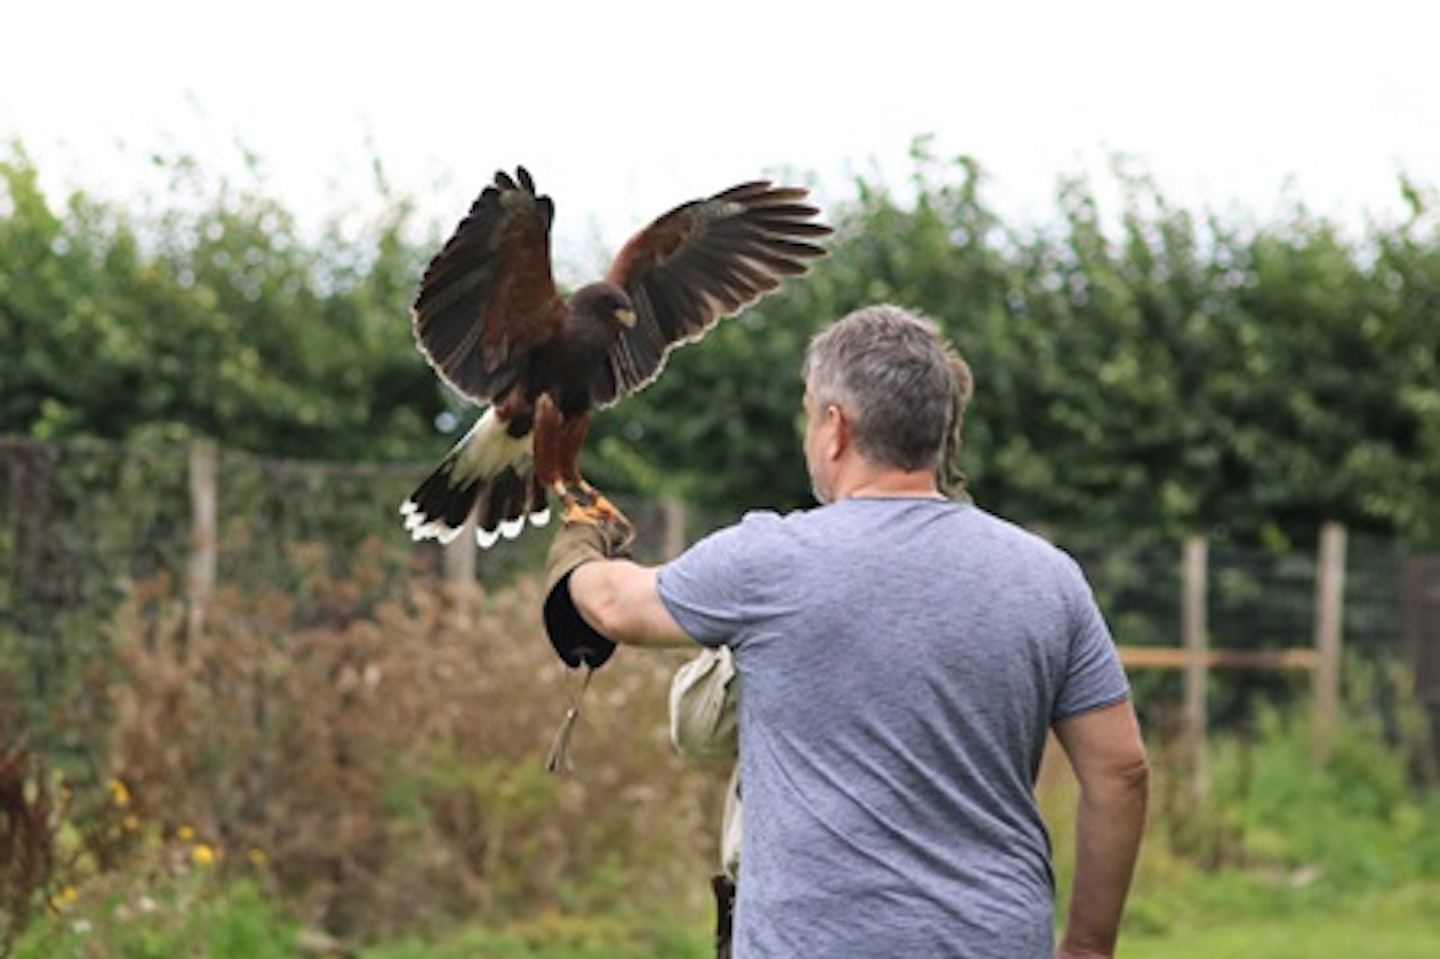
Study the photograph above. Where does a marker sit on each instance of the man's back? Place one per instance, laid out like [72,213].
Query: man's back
[902,660]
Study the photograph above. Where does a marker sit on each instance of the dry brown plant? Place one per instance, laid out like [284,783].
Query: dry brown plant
[380,748]
[28,821]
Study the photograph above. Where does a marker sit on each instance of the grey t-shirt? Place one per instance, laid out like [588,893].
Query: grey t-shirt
[902,661]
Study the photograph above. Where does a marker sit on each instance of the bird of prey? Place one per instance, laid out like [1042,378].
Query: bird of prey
[491,322]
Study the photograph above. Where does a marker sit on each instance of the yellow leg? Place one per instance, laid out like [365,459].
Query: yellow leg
[582,503]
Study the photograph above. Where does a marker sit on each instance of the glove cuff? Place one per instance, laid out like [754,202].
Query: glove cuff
[575,641]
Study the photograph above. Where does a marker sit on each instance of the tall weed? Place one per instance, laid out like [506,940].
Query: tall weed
[381,751]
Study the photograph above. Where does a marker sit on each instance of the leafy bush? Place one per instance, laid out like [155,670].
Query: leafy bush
[1348,826]
[1283,834]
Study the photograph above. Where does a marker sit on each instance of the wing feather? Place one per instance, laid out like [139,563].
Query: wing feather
[488,298]
[700,262]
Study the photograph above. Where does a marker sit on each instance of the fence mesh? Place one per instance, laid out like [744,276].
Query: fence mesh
[82,520]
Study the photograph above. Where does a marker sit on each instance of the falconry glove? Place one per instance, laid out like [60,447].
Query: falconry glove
[575,641]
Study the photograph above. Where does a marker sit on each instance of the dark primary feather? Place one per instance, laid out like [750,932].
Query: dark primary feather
[702,261]
[488,297]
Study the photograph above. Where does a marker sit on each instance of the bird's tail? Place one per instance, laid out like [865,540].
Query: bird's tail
[490,475]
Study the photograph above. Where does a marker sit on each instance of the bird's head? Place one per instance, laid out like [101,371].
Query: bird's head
[605,303]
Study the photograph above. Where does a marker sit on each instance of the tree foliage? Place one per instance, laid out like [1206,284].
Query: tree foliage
[1142,372]
[216,317]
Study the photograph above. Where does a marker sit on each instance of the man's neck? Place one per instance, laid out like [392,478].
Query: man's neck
[917,484]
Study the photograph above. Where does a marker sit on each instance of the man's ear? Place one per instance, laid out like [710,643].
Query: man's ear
[837,435]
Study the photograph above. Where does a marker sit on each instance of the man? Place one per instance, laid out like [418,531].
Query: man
[704,691]
[903,658]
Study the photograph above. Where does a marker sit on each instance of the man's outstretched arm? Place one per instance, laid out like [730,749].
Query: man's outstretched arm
[592,588]
[1108,756]
[619,599]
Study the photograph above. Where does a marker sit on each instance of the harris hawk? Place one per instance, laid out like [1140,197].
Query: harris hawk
[491,322]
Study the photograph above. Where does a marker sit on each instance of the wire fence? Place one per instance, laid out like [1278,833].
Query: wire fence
[1257,601]
[82,521]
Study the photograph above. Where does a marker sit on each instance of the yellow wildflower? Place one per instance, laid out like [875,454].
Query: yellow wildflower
[119,794]
[202,854]
[63,898]
[184,834]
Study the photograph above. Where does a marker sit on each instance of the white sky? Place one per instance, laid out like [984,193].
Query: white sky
[622,109]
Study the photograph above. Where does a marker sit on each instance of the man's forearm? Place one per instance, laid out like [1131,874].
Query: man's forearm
[1109,825]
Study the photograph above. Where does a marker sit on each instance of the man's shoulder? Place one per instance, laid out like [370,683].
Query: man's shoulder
[757,532]
[771,526]
[1004,540]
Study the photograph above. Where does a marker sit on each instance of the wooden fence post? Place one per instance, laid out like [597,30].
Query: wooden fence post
[1329,633]
[204,537]
[1196,631]
[674,514]
[459,556]
[458,561]
[1420,601]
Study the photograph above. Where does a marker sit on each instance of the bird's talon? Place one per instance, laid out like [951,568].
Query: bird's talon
[627,529]
[582,503]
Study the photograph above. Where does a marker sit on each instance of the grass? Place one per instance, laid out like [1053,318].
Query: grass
[1402,924]
[1316,938]
[188,916]
[1287,858]
[555,936]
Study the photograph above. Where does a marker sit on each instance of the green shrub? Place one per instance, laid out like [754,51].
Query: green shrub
[1349,826]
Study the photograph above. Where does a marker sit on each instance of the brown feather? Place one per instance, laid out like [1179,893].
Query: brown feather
[488,299]
[700,262]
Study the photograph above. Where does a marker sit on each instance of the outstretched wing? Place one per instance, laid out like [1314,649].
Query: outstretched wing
[702,261]
[488,297]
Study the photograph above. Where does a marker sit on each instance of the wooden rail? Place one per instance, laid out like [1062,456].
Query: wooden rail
[1165,657]
[1196,658]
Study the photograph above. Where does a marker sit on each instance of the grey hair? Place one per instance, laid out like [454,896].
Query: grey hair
[903,388]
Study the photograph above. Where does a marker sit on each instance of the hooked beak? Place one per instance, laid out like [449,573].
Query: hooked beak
[626,318]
